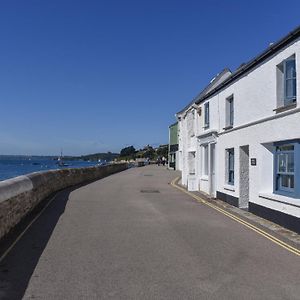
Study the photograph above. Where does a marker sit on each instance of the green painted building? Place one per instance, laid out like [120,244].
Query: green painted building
[173,145]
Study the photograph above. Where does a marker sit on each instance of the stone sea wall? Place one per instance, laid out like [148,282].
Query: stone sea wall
[20,195]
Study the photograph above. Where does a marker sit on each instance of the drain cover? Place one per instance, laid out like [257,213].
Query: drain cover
[149,191]
[148,175]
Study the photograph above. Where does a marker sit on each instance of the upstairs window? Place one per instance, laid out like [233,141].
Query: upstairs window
[290,80]
[285,168]
[229,112]
[206,115]
[190,123]
[286,82]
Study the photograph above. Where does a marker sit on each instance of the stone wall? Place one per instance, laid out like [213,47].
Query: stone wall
[20,195]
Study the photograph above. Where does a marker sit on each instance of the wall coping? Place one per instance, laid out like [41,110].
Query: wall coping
[14,186]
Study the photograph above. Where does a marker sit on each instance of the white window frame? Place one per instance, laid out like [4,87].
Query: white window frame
[192,163]
[205,160]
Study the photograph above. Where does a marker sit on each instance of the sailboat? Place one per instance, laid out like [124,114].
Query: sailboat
[60,160]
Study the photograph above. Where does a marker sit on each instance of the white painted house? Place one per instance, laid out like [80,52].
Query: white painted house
[239,140]
[190,127]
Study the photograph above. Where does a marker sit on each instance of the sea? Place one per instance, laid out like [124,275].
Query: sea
[12,166]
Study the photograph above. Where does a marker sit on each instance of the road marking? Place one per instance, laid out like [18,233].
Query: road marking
[27,227]
[239,220]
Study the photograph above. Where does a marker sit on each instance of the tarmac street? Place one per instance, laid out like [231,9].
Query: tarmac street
[132,235]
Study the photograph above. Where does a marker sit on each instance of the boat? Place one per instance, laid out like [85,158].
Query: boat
[60,161]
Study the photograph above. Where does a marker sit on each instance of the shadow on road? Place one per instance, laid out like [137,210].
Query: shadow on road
[18,266]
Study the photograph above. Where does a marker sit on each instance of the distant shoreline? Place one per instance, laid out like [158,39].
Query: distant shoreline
[89,157]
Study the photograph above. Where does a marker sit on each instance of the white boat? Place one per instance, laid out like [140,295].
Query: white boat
[60,161]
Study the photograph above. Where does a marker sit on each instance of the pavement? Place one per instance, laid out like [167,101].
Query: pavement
[290,237]
[133,235]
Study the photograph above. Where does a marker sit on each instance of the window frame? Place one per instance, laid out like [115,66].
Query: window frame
[286,99]
[206,115]
[230,166]
[191,123]
[205,160]
[192,162]
[229,110]
[279,188]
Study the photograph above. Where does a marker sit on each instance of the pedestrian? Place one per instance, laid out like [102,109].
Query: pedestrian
[158,161]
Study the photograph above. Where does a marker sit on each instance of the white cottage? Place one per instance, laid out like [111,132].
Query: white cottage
[191,125]
[245,147]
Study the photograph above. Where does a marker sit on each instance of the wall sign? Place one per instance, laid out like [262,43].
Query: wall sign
[253,161]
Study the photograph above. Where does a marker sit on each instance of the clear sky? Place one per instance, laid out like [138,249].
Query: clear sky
[91,76]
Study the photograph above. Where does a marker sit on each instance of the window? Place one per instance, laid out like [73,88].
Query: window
[205,160]
[230,166]
[206,114]
[285,169]
[286,82]
[229,112]
[192,161]
[190,122]
[290,80]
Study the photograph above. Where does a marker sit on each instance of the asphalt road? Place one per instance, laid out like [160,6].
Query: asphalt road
[134,236]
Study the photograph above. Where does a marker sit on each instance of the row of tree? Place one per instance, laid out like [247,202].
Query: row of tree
[147,152]
[126,153]
[108,156]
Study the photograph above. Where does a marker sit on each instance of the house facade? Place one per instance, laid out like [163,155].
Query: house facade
[173,146]
[246,144]
[191,124]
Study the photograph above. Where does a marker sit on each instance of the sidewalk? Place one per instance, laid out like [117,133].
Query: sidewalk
[278,231]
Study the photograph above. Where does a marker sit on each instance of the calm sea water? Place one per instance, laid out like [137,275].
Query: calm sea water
[11,166]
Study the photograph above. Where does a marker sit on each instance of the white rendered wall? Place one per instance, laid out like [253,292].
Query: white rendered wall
[259,138]
[255,100]
[255,93]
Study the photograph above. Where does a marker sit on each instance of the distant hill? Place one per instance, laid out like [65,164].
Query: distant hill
[94,157]
[91,157]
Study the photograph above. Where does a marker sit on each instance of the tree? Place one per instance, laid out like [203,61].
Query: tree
[162,151]
[149,152]
[128,151]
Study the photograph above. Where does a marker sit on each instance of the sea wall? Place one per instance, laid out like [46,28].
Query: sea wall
[20,195]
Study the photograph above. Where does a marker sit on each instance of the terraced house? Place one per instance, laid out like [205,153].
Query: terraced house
[239,139]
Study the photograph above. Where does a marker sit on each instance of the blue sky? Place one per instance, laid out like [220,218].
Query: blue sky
[92,76]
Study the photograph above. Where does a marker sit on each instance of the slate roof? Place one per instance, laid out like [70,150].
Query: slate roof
[244,68]
[205,90]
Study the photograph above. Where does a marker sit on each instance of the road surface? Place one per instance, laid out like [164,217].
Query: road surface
[134,236]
